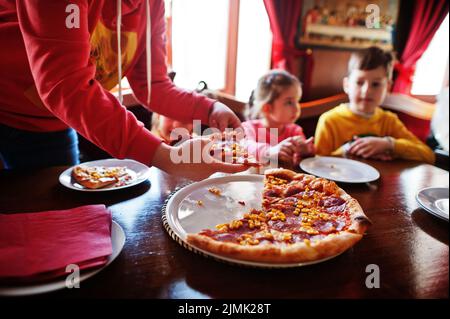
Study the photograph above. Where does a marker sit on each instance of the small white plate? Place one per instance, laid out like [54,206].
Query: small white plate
[183,214]
[435,201]
[340,169]
[138,171]
[117,241]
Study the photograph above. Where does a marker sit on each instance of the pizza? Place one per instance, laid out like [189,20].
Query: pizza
[303,218]
[231,148]
[94,177]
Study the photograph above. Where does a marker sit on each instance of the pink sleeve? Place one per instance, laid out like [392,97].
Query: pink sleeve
[166,98]
[296,130]
[258,150]
[65,80]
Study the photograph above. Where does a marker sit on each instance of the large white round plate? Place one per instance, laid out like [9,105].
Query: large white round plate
[340,169]
[117,241]
[183,214]
[138,171]
[435,201]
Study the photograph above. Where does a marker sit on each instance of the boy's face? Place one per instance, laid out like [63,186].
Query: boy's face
[366,89]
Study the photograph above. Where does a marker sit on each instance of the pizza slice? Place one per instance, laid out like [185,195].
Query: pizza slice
[94,177]
[302,219]
[229,147]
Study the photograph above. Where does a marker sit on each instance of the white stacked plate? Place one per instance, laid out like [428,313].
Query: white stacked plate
[435,200]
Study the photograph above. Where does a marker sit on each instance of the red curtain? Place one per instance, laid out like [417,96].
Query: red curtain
[284,17]
[426,19]
[427,16]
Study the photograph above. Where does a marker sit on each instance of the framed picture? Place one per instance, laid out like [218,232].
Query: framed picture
[348,24]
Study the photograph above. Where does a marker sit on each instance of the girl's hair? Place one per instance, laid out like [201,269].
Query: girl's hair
[269,88]
[372,58]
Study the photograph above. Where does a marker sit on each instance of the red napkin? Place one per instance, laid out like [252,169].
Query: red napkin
[38,246]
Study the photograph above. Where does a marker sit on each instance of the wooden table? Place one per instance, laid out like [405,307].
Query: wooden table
[409,246]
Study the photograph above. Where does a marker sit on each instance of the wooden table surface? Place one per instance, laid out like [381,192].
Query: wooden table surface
[409,246]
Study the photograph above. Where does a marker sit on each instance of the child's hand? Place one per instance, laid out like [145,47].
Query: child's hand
[221,117]
[292,149]
[305,148]
[370,147]
[192,159]
[284,150]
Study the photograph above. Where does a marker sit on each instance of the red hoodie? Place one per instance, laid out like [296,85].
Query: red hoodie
[53,77]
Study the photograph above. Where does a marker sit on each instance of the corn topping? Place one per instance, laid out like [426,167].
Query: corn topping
[215,191]
[235,224]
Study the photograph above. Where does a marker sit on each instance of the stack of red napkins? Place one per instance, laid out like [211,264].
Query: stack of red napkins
[39,246]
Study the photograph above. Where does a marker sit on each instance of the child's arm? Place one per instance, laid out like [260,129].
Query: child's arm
[371,147]
[283,151]
[407,145]
[399,142]
[323,140]
[259,150]
[304,147]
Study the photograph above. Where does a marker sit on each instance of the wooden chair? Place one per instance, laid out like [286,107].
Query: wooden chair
[414,113]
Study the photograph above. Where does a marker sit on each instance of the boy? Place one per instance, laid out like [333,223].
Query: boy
[361,128]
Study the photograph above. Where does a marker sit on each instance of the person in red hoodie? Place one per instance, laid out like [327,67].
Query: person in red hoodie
[59,59]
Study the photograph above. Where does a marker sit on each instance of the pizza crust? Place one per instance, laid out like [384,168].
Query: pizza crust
[272,253]
[281,173]
[360,222]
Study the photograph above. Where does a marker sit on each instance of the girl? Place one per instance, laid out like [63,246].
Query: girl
[274,110]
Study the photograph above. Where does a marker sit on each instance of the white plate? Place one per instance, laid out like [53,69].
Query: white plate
[138,171]
[184,215]
[340,169]
[435,201]
[117,241]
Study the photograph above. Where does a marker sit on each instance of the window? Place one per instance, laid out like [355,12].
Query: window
[225,43]
[254,46]
[432,67]
[199,42]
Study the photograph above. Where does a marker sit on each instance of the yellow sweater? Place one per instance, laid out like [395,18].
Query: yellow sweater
[339,125]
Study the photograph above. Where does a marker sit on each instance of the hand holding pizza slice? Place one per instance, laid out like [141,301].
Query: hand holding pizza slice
[230,147]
